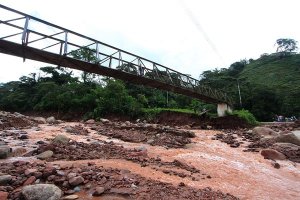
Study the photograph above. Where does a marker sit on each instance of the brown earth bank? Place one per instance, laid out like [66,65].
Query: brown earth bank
[164,117]
[140,160]
[199,122]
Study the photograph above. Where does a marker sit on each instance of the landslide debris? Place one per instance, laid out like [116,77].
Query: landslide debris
[109,150]
[153,134]
[14,120]
[93,179]
[279,137]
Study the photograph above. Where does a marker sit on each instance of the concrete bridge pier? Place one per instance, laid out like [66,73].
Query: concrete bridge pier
[223,108]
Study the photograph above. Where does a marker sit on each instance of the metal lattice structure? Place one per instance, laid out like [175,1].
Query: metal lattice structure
[29,37]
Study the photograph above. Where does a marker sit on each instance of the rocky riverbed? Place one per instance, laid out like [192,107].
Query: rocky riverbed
[140,160]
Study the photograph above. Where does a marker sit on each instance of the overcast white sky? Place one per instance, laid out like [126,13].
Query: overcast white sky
[190,36]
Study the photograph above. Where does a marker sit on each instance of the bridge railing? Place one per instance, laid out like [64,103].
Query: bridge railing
[34,32]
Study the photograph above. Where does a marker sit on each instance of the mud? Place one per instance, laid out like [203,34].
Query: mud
[201,169]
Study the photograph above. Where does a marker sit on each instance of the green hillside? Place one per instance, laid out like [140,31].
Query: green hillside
[279,78]
[280,74]
[269,85]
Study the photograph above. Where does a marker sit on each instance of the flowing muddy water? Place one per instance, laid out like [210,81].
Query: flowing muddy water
[246,175]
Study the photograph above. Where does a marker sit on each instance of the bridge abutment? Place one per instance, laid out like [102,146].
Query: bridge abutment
[223,108]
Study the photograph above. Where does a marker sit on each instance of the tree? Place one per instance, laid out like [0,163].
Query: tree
[85,54]
[286,45]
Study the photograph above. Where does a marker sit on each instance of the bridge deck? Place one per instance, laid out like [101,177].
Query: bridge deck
[15,49]
[56,45]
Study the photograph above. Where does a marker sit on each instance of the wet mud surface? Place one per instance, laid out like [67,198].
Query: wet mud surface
[99,158]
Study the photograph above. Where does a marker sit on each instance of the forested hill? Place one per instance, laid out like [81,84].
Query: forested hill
[281,77]
[269,85]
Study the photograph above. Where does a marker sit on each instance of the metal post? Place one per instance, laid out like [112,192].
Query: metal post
[97,52]
[25,32]
[167,99]
[238,85]
[66,43]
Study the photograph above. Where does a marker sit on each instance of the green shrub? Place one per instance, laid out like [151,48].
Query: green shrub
[246,115]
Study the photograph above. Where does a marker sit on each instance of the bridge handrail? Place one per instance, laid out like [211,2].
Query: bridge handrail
[221,96]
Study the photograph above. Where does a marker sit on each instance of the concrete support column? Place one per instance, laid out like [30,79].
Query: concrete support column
[222,108]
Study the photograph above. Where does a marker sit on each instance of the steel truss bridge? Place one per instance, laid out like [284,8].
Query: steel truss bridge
[32,38]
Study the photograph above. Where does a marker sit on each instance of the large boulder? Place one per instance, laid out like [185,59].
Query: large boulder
[291,151]
[40,120]
[51,120]
[4,151]
[288,138]
[41,192]
[272,154]
[61,139]
[265,132]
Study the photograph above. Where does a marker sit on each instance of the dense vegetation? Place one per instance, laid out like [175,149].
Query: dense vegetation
[267,86]
[58,90]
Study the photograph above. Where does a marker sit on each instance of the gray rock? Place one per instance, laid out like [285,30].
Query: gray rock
[272,154]
[51,120]
[98,191]
[61,139]
[4,151]
[150,141]
[90,121]
[24,137]
[40,120]
[288,146]
[18,114]
[265,132]
[76,189]
[76,180]
[71,197]
[45,155]
[104,120]
[69,129]
[5,179]
[297,133]
[141,148]
[288,138]
[41,192]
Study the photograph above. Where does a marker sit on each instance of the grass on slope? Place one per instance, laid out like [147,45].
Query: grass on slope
[280,74]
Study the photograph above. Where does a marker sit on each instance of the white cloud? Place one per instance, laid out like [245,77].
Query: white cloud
[162,31]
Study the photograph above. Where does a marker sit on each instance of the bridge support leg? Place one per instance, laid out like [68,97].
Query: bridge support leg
[222,109]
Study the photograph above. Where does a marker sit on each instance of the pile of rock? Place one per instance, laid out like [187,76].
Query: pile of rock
[14,120]
[272,144]
[153,134]
[22,179]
